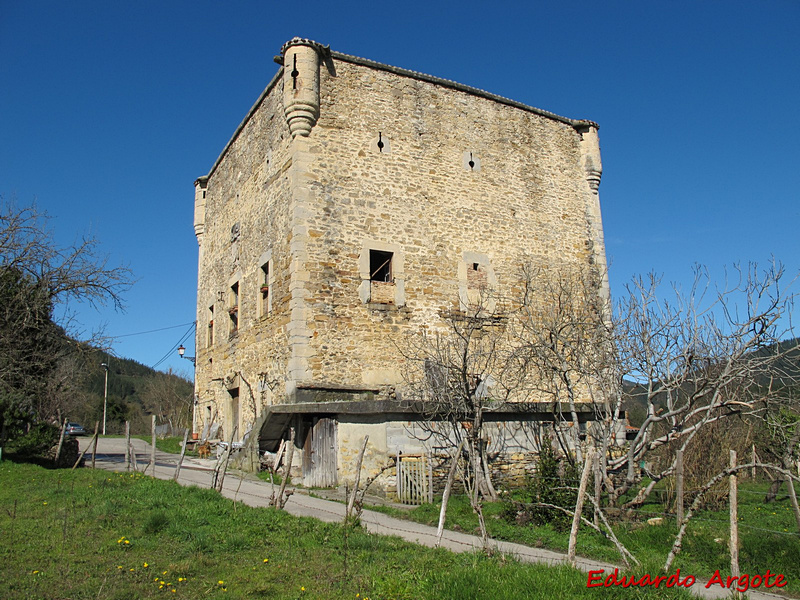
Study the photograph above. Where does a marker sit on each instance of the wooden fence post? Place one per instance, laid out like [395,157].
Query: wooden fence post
[793,497]
[85,450]
[94,446]
[430,477]
[223,464]
[280,502]
[153,444]
[734,541]
[576,519]
[183,453]
[60,442]
[279,455]
[352,498]
[597,485]
[679,487]
[446,495]
[128,456]
[399,477]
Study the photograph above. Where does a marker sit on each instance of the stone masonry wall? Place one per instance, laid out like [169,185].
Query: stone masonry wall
[415,195]
[249,188]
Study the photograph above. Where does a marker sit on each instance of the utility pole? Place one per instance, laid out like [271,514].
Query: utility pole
[105,396]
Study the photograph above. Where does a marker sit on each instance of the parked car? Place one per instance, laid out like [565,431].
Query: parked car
[74,429]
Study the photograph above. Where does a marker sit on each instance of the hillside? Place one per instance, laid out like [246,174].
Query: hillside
[135,391]
[786,370]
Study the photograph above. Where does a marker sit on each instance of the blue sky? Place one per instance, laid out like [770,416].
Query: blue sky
[109,111]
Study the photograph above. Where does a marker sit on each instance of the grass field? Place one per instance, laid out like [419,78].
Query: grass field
[768,535]
[94,534]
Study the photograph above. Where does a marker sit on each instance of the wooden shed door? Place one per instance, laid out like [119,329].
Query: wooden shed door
[319,453]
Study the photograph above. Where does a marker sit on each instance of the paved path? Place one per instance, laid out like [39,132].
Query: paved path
[255,492]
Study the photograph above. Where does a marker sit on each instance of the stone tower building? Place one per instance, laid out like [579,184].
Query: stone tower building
[355,202]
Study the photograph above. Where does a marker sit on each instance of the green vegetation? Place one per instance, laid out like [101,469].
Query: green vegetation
[768,535]
[91,534]
[135,391]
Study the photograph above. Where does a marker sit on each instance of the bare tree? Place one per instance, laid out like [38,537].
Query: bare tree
[563,339]
[36,276]
[701,357]
[457,372]
[165,396]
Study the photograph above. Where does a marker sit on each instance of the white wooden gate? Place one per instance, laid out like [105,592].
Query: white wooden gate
[414,479]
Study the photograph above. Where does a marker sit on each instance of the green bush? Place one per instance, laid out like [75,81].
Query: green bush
[554,482]
[35,442]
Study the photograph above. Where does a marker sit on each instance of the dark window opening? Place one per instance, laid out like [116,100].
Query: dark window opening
[235,424]
[265,288]
[233,310]
[211,325]
[380,265]
[475,266]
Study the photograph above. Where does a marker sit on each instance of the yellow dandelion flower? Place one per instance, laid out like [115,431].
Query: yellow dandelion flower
[127,542]
[220,582]
[302,589]
[35,573]
[145,565]
[164,573]
[131,569]
[266,560]
[173,590]
[45,504]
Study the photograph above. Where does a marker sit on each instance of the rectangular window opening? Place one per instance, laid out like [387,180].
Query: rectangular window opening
[380,265]
[211,325]
[233,309]
[264,290]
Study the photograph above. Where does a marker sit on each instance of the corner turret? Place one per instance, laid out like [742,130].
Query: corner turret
[300,59]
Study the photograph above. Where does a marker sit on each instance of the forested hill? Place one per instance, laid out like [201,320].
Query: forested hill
[135,391]
[786,373]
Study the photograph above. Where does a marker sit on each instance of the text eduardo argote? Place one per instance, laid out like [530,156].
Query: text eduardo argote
[739,584]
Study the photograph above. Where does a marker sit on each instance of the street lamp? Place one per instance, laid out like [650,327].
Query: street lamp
[105,396]
[181,352]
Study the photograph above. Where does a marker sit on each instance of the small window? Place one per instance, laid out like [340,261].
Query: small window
[380,265]
[264,289]
[211,325]
[236,425]
[476,276]
[382,288]
[233,307]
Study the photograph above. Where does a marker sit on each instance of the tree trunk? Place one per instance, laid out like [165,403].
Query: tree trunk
[446,496]
[352,498]
[576,520]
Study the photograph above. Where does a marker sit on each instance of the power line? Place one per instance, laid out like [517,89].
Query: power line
[151,331]
[175,347]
